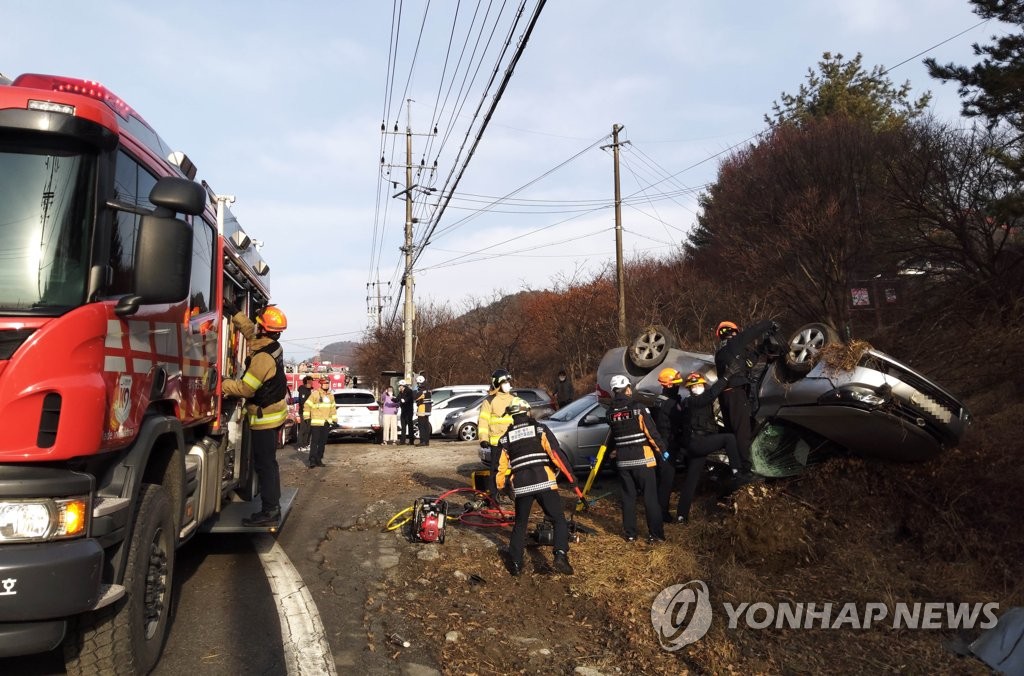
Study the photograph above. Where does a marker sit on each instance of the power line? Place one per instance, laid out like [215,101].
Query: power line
[750,138]
[487,118]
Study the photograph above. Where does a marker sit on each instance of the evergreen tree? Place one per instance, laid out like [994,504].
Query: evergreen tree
[994,88]
[845,88]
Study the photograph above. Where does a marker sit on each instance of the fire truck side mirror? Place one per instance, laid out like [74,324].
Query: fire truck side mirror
[163,247]
[163,263]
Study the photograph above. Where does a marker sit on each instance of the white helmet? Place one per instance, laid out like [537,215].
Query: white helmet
[420,380]
[402,383]
[619,382]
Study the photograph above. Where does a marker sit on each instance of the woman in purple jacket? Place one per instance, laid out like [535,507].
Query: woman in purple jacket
[389,417]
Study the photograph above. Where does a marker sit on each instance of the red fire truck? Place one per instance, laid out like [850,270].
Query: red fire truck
[116,447]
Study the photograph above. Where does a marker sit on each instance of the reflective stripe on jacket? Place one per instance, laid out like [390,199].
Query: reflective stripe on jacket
[262,368]
[527,454]
[633,435]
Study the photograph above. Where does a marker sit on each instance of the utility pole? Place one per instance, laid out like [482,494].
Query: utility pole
[409,314]
[373,311]
[620,280]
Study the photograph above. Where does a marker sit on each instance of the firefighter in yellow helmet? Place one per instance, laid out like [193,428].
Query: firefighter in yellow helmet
[702,437]
[265,390]
[322,414]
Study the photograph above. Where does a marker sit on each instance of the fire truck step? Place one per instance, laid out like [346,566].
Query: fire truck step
[108,594]
[230,518]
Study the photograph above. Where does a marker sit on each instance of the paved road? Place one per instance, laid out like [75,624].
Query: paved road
[226,620]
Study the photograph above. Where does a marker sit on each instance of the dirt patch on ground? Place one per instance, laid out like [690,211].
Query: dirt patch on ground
[850,531]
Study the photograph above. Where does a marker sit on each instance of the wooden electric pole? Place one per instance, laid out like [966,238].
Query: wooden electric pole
[620,279]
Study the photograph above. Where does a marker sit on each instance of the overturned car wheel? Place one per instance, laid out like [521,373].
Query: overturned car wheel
[650,347]
[804,345]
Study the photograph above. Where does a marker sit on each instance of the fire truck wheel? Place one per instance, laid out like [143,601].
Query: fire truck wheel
[128,636]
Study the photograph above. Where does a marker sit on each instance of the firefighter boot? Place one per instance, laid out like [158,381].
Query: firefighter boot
[265,517]
[561,564]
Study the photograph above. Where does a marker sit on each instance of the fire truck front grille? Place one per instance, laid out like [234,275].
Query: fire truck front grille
[11,340]
[47,436]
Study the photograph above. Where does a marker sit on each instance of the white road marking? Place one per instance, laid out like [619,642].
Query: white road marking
[306,651]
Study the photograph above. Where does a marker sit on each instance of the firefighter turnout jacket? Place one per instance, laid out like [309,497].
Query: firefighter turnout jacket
[633,436]
[529,453]
[320,409]
[263,385]
[493,422]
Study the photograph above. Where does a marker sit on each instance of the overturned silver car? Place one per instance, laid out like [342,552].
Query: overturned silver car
[807,408]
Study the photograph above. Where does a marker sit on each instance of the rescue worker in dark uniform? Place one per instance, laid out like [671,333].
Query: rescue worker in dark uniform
[406,409]
[734,359]
[424,404]
[701,437]
[634,442]
[529,452]
[668,418]
[305,389]
[265,390]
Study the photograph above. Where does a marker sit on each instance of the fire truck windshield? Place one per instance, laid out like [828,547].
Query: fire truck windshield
[45,199]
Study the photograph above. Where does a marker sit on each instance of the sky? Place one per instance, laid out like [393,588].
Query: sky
[281,105]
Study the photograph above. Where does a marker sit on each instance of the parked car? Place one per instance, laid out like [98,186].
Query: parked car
[580,427]
[462,425]
[807,409]
[541,404]
[289,431]
[358,415]
[440,394]
[439,411]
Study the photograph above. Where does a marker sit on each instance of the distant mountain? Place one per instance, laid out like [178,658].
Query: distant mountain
[342,353]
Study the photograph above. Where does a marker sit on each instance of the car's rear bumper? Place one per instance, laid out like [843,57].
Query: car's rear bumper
[352,431]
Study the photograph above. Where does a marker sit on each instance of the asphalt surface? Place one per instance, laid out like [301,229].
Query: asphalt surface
[226,620]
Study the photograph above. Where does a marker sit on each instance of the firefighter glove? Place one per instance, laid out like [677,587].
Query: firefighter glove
[485,444]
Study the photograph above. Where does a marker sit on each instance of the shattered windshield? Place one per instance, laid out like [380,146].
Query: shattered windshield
[45,193]
[780,450]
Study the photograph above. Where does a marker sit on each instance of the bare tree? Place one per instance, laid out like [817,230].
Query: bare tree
[946,191]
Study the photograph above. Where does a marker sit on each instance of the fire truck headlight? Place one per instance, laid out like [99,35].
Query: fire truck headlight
[39,520]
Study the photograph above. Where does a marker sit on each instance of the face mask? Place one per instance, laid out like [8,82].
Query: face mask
[506,387]
[697,390]
[562,378]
